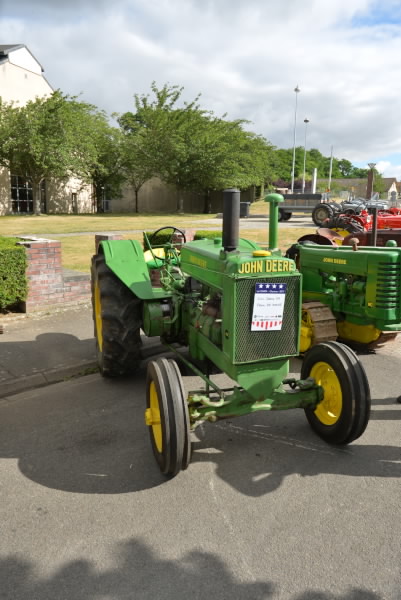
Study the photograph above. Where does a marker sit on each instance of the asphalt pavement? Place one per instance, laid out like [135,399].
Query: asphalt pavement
[265,510]
[42,348]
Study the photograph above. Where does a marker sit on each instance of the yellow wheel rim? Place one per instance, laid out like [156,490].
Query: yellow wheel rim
[154,420]
[306,332]
[98,317]
[328,411]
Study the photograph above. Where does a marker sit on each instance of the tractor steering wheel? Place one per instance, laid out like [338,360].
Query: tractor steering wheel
[173,231]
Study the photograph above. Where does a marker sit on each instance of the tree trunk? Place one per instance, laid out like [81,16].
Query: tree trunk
[207,205]
[36,198]
[136,200]
[180,202]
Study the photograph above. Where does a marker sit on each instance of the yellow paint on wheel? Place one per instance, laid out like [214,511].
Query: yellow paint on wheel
[152,417]
[364,334]
[98,317]
[328,411]
[305,341]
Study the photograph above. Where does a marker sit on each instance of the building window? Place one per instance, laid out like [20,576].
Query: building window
[22,195]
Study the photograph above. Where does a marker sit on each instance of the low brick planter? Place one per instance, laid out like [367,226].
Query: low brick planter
[49,285]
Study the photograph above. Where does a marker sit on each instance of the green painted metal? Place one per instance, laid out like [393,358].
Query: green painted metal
[274,200]
[259,391]
[125,258]
[206,302]
[363,285]
[240,403]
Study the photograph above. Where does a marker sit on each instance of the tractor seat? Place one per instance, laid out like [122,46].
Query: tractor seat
[151,259]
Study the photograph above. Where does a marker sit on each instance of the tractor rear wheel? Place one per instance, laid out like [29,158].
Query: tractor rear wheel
[343,414]
[117,321]
[167,416]
[321,213]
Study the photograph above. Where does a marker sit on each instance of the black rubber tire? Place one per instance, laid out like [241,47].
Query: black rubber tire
[117,322]
[281,213]
[287,216]
[355,392]
[321,212]
[164,379]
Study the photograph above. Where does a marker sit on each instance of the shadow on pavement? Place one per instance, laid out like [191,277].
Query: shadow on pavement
[46,352]
[91,439]
[142,574]
[256,459]
[89,436]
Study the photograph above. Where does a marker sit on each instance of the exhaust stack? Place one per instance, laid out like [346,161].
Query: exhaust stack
[231,211]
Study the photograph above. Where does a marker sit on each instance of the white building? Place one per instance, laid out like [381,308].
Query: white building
[21,80]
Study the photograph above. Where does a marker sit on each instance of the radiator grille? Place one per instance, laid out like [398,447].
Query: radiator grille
[388,286]
[258,345]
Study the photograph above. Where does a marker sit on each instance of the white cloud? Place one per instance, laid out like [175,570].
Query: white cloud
[388,169]
[244,57]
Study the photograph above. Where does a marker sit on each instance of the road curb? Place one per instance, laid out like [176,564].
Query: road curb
[13,386]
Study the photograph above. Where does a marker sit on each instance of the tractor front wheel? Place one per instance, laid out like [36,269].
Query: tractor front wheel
[343,414]
[117,322]
[167,416]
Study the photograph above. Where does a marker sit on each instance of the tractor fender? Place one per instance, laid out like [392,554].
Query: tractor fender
[126,259]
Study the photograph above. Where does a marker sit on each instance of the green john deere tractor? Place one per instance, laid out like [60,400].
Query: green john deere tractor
[236,308]
[349,293]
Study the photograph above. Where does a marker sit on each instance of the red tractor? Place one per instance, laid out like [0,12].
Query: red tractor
[369,229]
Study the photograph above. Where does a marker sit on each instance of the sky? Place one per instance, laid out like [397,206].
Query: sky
[245,58]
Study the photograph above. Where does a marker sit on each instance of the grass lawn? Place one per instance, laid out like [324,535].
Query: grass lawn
[78,249]
[52,224]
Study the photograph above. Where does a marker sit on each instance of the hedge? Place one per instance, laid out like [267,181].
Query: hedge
[206,234]
[13,281]
[158,240]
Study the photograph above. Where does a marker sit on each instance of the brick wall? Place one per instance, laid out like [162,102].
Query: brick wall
[48,283]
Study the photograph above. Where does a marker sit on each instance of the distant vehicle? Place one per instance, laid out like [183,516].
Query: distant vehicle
[300,203]
[322,212]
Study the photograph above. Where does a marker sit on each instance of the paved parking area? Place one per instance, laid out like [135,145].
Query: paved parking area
[265,510]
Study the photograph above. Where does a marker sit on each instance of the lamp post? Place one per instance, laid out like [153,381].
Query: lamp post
[369,187]
[330,170]
[306,121]
[296,90]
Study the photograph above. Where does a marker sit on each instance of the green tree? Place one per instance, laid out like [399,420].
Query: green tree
[106,173]
[137,165]
[50,137]
[345,166]
[359,173]
[189,147]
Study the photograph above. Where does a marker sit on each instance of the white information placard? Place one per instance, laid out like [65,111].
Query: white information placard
[268,306]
